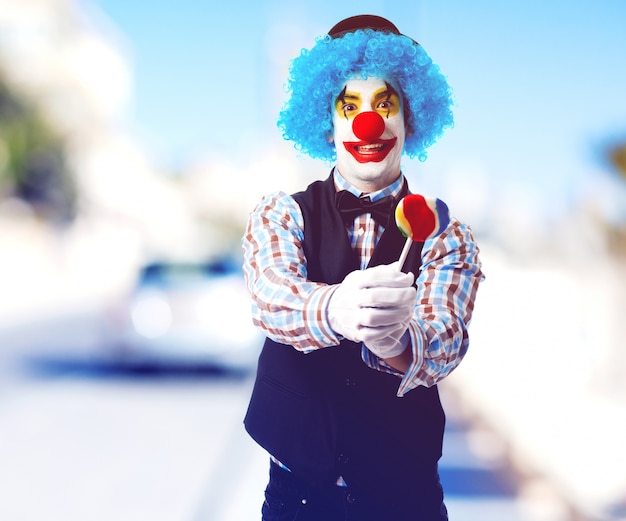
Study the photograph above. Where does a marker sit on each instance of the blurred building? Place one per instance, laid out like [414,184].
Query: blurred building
[64,59]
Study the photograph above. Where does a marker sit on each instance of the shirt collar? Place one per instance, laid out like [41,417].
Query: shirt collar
[393,189]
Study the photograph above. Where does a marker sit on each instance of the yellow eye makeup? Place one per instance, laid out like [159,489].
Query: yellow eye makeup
[348,104]
[385,101]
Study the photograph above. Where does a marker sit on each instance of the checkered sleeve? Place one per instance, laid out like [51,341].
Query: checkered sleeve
[446,290]
[289,308]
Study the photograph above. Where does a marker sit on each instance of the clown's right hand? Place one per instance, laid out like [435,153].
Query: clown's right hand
[369,304]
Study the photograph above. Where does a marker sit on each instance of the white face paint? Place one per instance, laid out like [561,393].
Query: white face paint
[372,161]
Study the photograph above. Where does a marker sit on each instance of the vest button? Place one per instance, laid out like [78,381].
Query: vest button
[350,498]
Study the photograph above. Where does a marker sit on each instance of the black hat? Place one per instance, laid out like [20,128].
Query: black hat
[363,21]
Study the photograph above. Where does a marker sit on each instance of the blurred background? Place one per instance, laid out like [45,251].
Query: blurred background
[135,137]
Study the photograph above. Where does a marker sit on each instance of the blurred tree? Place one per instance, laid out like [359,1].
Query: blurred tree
[617,155]
[616,233]
[32,160]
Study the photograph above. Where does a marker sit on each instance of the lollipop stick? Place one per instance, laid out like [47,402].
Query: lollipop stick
[405,252]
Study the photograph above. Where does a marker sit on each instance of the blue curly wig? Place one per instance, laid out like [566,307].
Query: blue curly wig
[318,75]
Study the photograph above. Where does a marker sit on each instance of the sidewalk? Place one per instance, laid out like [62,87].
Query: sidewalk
[546,371]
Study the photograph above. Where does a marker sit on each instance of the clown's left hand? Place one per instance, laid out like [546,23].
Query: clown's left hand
[394,344]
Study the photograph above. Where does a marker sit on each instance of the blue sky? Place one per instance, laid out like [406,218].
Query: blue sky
[540,85]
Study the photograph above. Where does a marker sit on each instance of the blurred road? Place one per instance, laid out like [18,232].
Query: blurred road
[81,439]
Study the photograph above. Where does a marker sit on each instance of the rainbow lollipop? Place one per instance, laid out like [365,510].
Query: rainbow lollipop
[420,218]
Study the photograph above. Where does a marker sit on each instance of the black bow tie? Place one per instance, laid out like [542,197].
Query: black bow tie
[350,206]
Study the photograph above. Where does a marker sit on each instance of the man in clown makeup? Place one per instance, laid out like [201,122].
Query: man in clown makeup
[345,399]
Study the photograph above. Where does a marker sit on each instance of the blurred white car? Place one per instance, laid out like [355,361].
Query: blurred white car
[186,314]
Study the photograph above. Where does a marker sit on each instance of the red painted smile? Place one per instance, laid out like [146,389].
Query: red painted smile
[375,151]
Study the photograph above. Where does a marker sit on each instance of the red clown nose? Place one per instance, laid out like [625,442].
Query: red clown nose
[368,126]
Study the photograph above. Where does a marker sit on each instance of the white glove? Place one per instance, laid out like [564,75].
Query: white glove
[393,344]
[372,304]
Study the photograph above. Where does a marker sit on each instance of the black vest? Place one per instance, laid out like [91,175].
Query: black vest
[326,413]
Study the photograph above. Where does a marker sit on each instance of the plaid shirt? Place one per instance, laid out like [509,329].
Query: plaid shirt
[365,232]
[293,310]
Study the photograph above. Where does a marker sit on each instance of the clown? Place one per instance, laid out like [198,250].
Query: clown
[345,399]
